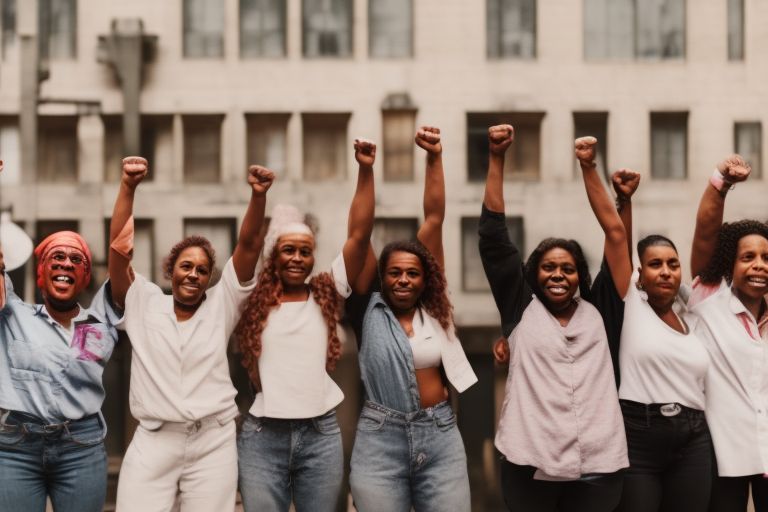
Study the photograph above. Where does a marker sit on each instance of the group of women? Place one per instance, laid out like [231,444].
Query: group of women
[691,365]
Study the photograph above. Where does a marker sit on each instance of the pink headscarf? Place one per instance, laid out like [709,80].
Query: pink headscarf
[62,239]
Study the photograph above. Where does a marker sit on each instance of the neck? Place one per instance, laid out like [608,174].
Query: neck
[756,306]
[404,314]
[185,311]
[661,308]
[295,293]
[564,313]
[61,311]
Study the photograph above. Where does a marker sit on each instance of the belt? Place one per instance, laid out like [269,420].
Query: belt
[25,422]
[668,410]
[192,426]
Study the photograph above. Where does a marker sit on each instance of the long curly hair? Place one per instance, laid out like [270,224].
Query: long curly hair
[266,297]
[531,269]
[721,264]
[434,298]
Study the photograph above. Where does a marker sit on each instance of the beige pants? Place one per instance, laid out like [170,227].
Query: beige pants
[196,462]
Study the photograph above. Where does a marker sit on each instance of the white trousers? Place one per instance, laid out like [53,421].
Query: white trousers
[194,465]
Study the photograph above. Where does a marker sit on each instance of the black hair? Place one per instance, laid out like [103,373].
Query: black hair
[653,241]
[721,264]
[531,268]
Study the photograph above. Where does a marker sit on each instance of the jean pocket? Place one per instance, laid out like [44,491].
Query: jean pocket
[327,424]
[371,421]
[251,426]
[446,420]
[636,421]
[90,433]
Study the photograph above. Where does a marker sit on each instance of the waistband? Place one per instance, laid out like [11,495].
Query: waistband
[192,426]
[17,421]
[429,412]
[668,410]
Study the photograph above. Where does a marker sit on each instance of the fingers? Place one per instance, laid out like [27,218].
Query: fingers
[734,169]
[365,146]
[624,175]
[501,133]
[135,166]
[428,138]
[584,142]
[261,174]
[1,166]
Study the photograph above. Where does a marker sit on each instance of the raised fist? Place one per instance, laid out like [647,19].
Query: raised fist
[135,168]
[734,169]
[625,182]
[260,179]
[428,139]
[365,152]
[501,351]
[500,137]
[585,149]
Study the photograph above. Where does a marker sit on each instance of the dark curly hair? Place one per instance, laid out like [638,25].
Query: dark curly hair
[721,264]
[434,298]
[531,268]
[653,241]
[191,241]
[266,297]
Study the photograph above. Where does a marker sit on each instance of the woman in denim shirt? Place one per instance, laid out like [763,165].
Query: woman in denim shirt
[408,452]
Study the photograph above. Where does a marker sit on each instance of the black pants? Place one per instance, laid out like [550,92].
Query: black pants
[670,460]
[524,494]
[730,494]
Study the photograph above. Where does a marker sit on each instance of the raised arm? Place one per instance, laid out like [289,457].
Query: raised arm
[431,232]
[121,228]
[359,259]
[2,265]
[625,183]
[615,250]
[251,238]
[709,217]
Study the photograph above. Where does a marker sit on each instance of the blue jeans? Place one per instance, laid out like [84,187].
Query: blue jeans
[409,460]
[282,459]
[67,462]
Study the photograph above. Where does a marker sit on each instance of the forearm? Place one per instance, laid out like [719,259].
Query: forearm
[709,218]
[434,190]
[251,239]
[601,204]
[122,211]
[624,207]
[362,209]
[494,184]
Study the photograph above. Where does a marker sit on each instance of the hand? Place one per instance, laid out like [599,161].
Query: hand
[625,182]
[734,169]
[365,152]
[260,179]
[501,351]
[500,137]
[586,149]
[135,168]
[428,139]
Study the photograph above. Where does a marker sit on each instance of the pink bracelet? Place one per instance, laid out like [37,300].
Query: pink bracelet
[718,181]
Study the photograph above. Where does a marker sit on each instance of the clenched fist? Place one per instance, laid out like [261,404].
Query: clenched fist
[625,182]
[734,169]
[428,139]
[586,150]
[365,152]
[135,169]
[260,179]
[500,137]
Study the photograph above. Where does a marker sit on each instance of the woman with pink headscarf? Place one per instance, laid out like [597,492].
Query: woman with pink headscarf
[52,356]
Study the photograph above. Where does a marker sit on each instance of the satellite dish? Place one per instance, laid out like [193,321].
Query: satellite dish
[16,245]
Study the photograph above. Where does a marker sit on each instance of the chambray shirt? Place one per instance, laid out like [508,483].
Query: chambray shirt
[48,371]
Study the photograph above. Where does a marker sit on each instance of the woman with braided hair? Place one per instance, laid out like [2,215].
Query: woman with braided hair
[290,445]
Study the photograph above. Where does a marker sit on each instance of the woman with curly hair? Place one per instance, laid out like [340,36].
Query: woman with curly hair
[290,447]
[408,452]
[731,262]
[560,431]
[184,448]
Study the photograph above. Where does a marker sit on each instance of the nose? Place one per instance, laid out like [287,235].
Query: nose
[665,271]
[193,274]
[402,278]
[296,256]
[557,274]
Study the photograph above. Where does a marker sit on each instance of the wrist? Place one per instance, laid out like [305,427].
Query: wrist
[587,164]
[720,182]
[622,201]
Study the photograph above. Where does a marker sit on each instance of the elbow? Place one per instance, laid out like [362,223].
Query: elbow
[616,233]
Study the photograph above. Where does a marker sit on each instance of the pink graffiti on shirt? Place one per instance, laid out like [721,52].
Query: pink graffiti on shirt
[79,341]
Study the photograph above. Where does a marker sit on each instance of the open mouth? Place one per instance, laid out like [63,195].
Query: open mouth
[557,290]
[63,279]
[757,281]
[401,292]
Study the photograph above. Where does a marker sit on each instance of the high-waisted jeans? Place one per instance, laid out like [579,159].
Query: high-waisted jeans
[409,460]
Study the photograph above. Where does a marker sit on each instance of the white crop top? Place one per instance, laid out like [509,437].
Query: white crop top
[425,347]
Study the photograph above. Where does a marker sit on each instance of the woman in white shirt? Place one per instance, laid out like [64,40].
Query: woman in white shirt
[662,361]
[184,448]
[290,445]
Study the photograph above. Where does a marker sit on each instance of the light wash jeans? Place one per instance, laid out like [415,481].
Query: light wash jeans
[69,464]
[409,460]
[280,460]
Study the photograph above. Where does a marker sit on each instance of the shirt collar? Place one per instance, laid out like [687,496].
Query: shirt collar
[738,309]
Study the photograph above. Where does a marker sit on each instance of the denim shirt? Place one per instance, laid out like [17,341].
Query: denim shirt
[48,371]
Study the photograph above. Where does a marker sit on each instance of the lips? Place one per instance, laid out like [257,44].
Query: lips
[757,281]
[557,290]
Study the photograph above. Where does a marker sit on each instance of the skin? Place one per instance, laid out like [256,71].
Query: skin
[660,276]
[294,263]
[190,278]
[750,273]
[559,280]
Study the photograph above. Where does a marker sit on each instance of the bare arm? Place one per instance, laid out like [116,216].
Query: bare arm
[357,249]
[625,183]
[616,253]
[709,217]
[431,232]
[500,138]
[251,238]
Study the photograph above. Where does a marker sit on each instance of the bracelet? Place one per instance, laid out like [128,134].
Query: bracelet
[621,201]
[719,182]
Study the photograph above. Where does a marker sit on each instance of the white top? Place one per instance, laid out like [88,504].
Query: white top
[424,345]
[659,364]
[294,346]
[737,380]
[179,370]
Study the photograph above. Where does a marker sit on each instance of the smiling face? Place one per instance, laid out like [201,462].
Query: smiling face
[660,274]
[191,275]
[403,281]
[65,275]
[558,278]
[750,270]
[295,259]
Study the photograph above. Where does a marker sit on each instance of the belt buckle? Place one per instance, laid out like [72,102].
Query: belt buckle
[670,409]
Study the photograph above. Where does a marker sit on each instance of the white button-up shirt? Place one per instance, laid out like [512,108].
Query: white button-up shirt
[179,370]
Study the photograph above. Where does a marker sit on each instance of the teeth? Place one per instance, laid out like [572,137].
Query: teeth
[63,279]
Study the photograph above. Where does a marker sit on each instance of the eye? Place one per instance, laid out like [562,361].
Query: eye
[413,273]
[674,264]
[203,270]
[59,256]
[76,260]
[548,267]
[567,269]
[306,252]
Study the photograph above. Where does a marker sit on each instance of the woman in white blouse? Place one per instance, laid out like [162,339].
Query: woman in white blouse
[290,445]
[184,447]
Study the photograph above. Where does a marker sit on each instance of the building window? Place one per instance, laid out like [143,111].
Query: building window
[325,146]
[221,232]
[156,141]
[390,28]
[262,28]
[625,29]
[327,28]
[748,142]
[511,28]
[386,230]
[267,144]
[203,28]
[58,29]
[593,124]
[523,156]
[735,29]
[202,148]
[669,145]
[10,150]
[398,127]
[8,24]
[57,149]
[472,275]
